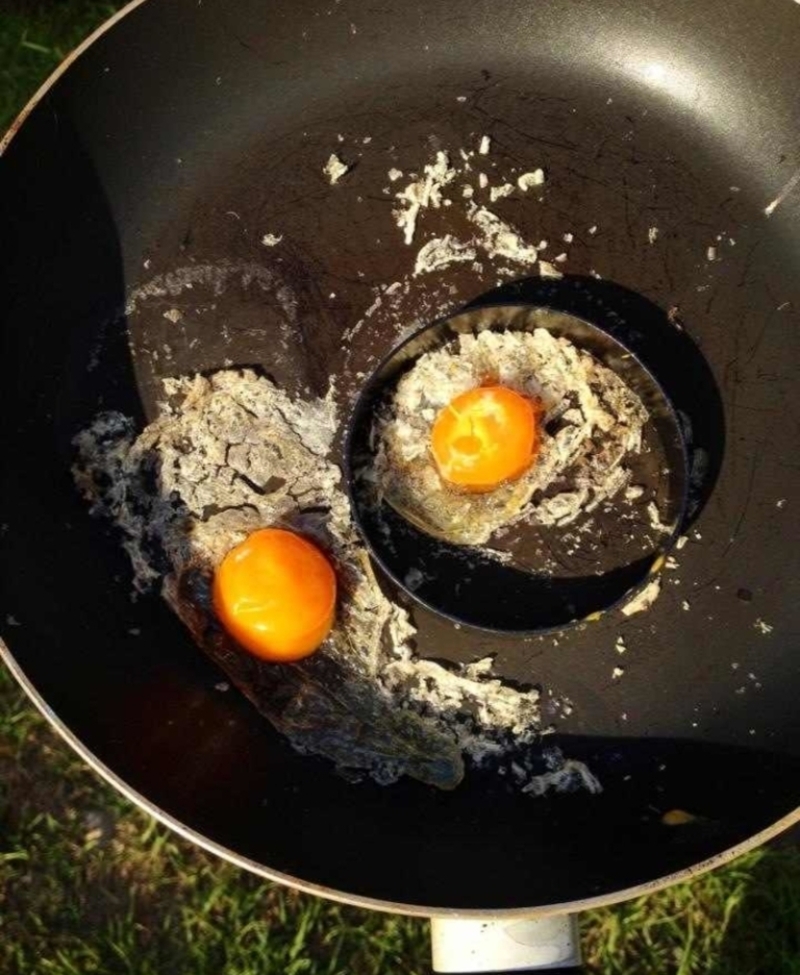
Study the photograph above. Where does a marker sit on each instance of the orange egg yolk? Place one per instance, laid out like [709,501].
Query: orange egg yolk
[485,437]
[275,594]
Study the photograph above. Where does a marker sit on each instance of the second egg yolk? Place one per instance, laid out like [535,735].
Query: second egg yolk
[275,594]
[486,436]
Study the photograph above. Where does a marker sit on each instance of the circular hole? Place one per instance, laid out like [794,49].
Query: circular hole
[549,576]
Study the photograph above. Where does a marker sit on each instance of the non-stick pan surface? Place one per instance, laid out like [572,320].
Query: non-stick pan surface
[164,155]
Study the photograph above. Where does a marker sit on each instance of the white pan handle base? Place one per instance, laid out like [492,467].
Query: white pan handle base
[500,946]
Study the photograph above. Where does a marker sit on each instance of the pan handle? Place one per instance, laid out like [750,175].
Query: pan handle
[495,947]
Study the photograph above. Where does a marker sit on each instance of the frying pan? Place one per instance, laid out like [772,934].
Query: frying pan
[159,158]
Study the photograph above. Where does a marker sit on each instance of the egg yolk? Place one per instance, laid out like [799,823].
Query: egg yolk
[486,436]
[275,594]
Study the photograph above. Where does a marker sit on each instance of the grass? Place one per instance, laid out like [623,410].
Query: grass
[35,36]
[90,884]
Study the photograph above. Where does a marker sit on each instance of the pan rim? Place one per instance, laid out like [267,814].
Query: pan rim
[7,138]
[117,782]
[363,901]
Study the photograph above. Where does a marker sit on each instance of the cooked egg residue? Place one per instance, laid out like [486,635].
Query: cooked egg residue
[526,424]
[275,594]
[485,437]
[229,505]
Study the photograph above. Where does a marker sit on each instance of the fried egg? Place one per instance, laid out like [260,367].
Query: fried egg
[536,429]
[228,498]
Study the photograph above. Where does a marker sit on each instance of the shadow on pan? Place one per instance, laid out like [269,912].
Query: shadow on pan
[64,355]
[480,846]
[556,575]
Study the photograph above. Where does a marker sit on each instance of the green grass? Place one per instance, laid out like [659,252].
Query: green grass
[89,884]
[35,36]
[743,919]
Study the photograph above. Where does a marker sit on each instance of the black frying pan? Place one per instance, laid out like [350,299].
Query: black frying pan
[184,134]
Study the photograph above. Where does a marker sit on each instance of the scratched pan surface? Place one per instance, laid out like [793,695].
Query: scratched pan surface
[144,182]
